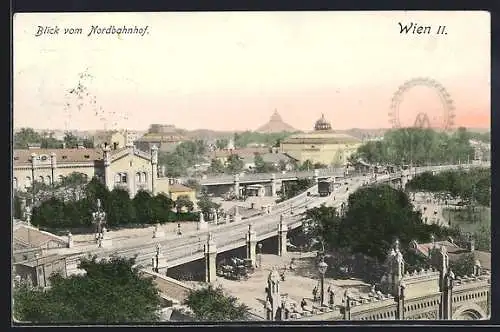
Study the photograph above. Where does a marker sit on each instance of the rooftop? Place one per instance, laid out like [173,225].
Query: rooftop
[321,137]
[177,187]
[28,236]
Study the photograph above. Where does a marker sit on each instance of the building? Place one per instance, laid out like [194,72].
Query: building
[455,252]
[276,125]
[177,190]
[165,137]
[115,139]
[321,146]
[127,168]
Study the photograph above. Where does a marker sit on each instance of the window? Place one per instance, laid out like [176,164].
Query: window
[48,179]
[123,178]
[41,179]
[144,177]
[64,157]
[14,183]
[27,182]
[16,158]
[137,177]
[118,178]
[86,156]
[43,158]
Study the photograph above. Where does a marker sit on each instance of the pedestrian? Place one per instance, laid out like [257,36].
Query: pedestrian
[303,304]
[315,293]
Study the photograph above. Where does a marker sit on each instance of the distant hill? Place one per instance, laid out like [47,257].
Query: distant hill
[275,125]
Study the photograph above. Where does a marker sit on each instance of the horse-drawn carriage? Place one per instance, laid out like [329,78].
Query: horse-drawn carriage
[235,269]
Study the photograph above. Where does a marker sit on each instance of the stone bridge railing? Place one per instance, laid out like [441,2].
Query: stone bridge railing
[233,235]
[173,289]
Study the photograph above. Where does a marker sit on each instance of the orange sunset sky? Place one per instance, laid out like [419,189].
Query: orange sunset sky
[230,70]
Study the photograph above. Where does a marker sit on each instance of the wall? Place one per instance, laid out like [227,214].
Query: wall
[21,173]
[170,287]
[322,153]
[131,164]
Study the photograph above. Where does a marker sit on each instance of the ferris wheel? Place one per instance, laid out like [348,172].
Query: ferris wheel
[423,119]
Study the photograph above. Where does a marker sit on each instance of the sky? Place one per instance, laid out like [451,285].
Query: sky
[231,70]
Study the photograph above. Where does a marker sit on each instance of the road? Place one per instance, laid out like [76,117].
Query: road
[190,246]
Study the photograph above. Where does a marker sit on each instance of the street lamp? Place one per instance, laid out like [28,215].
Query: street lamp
[28,213]
[322,266]
[99,219]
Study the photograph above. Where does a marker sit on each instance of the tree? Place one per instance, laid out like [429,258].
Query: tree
[306,165]
[162,205]
[71,140]
[464,265]
[206,205]
[119,208]
[374,218]
[221,143]
[26,136]
[417,145]
[216,167]
[183,201]
[17,208]
[110,292]
[74,185]
[293,188]
[234,164]
[322,224]
[144,212]
[49,213]
[211,304]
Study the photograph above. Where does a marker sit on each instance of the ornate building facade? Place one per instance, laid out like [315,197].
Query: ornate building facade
[321,146]
[431,294]
[127,168]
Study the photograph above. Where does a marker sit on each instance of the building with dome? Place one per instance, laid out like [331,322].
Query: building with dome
[323,145]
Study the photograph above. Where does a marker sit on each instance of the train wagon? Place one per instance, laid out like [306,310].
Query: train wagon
[326,187]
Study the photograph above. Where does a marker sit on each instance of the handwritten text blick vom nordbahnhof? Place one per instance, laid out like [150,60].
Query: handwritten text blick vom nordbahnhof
[93,30]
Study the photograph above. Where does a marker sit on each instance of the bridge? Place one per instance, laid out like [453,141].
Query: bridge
[267,177]
[247,232]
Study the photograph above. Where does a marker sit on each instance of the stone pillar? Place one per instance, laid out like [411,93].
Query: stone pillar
[210,259]
[105,240]
[157,232]
[273,185]
[53,166]
[252,245]
[447,304]
[108,179]
[202,224]
[237,185]
[216,217]
[401,302]
[131,184]
[237,216]
[70,240]
[159,261]
[316,176]
[154,168]
[282,232]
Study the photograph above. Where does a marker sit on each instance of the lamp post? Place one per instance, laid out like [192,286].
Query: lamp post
[99,219]
[28,213]
[322,266]
[259,257]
